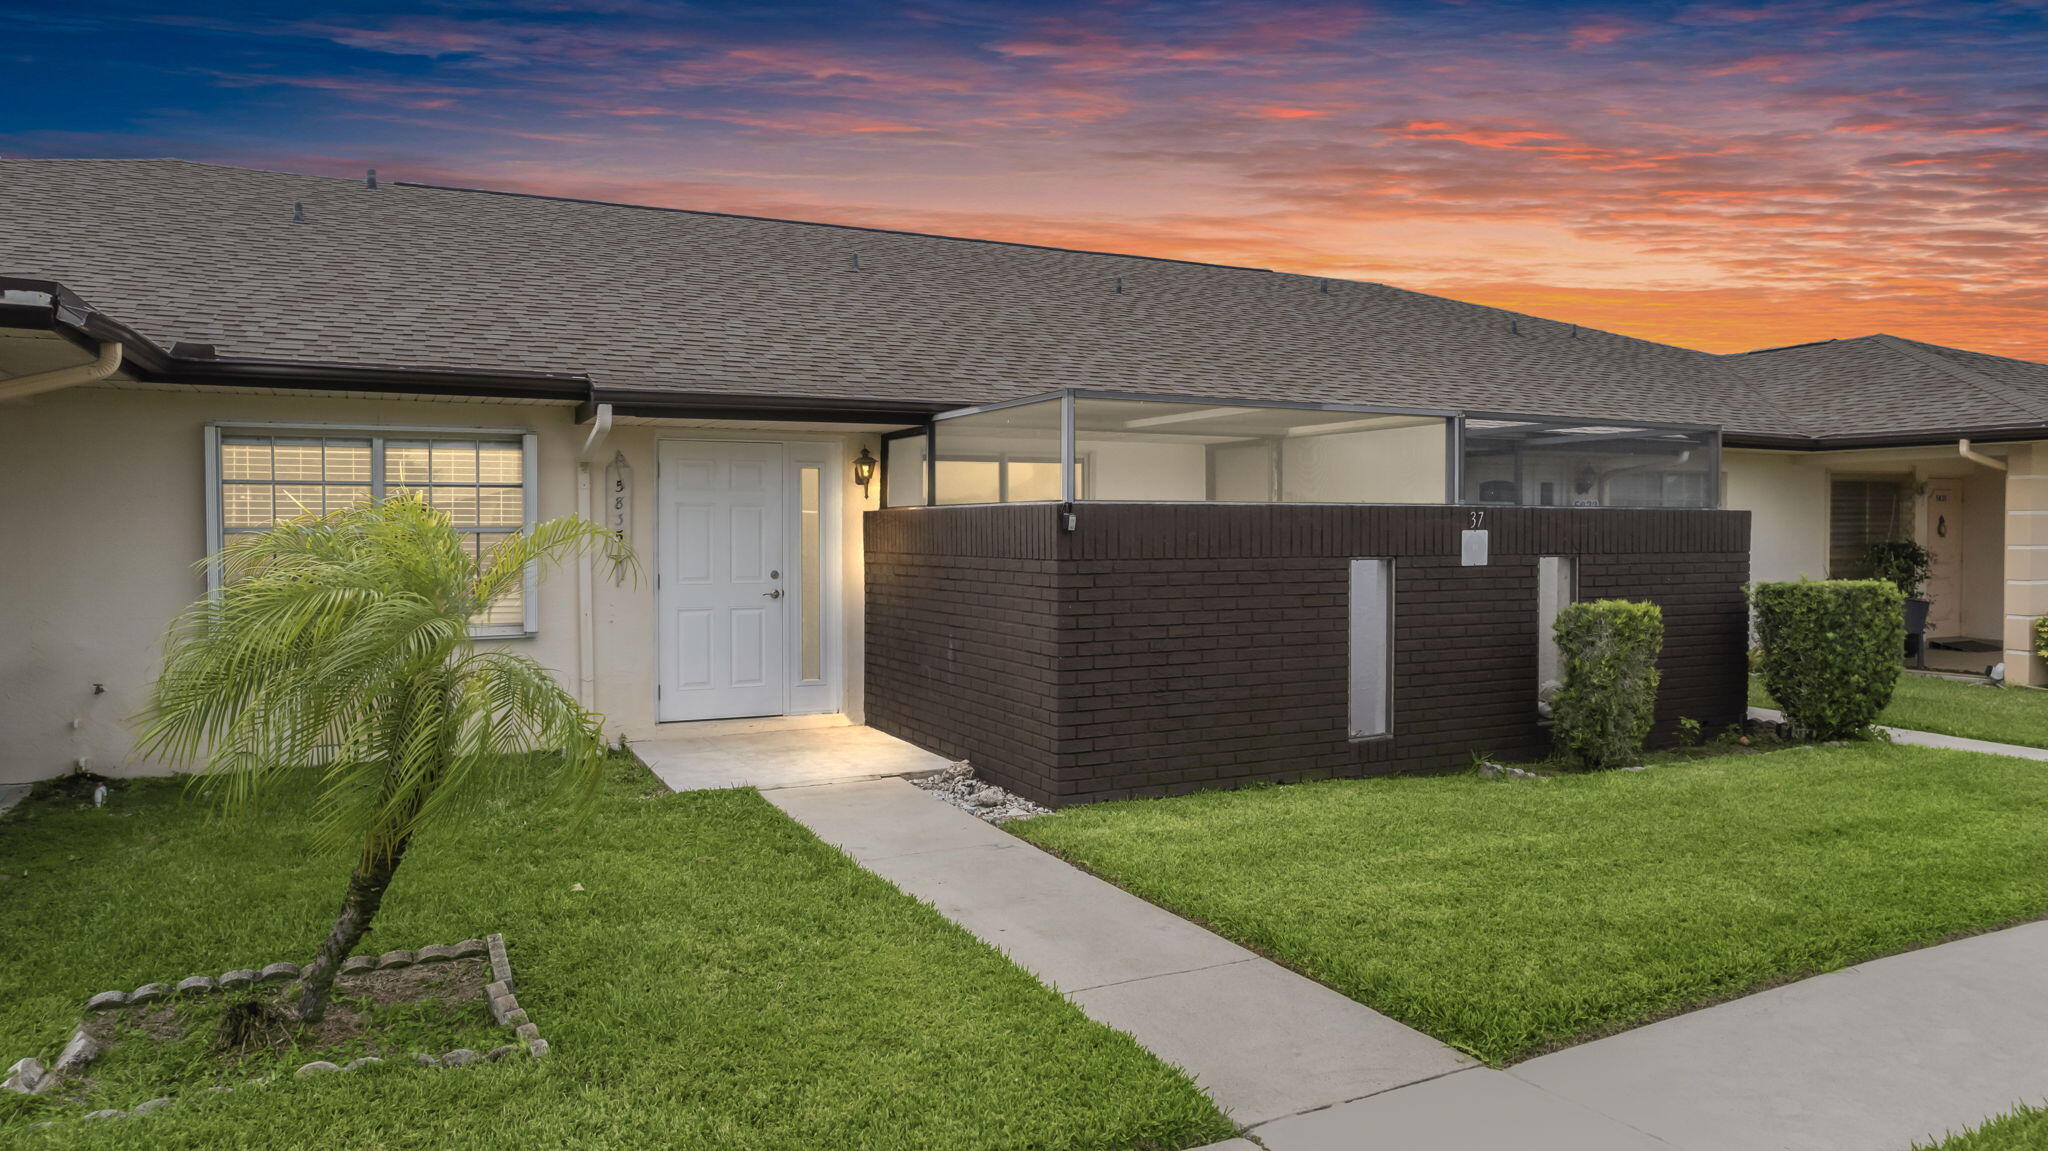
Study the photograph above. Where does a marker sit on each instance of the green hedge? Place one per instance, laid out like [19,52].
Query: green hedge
[1831,651]
[1609,649]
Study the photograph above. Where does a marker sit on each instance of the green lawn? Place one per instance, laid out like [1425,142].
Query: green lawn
[1508,916]
[723,980]
[2023,1129]
[1953,707]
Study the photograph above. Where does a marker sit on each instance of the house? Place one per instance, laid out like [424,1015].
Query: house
[1107,525]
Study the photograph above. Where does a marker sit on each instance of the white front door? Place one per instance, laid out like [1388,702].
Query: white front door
[723,600]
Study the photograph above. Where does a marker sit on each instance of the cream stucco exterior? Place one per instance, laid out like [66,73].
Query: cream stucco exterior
[2004,557]
[106,518]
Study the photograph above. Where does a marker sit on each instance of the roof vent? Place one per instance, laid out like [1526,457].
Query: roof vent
[1119,285]
[856,261]
[189,351]
[1514,327]
[298,212]
[371,179]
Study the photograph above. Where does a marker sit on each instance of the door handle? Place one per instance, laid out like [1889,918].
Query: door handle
[776,594]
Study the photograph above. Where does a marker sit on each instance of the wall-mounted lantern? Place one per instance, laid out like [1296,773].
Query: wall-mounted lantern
[864,470]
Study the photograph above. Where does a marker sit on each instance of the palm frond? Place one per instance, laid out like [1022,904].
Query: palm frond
[339,646]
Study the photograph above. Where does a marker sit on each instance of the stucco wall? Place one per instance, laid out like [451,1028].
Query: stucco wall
[1786,495]
[105,511]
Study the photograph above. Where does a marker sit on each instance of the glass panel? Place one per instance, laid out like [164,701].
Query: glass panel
[975,453]
[405,463]
[904,471]
[1033,480]
[508,610]
[454,462]
[970,481]
[297,460]
[1564,463]
[501,507]
[1862,512]
[295,500]
[459,503]
[245,460]
[811,576]
[1372,609]
[340,496]
[348,463]
[1162,450]
[499,464]
[245,506]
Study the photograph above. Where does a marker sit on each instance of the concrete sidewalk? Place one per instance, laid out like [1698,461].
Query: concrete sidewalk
[1875,1057]
[1930,739]
[1265,1042]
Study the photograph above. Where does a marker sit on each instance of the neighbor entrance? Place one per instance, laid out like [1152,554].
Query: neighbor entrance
[747,579]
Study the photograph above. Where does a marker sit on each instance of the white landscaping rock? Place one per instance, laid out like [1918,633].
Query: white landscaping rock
[957,786]
[77,1053]
[26,1076]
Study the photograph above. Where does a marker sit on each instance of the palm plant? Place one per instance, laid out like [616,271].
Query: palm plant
[339,646]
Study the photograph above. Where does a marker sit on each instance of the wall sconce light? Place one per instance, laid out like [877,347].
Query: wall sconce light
[864,470]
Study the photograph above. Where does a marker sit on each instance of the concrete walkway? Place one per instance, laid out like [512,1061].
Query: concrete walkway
[784,751]
[1930,739]
[1265,1042]
[1875,1057]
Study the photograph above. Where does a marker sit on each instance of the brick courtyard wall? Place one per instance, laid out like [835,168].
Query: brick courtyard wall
[1161,648]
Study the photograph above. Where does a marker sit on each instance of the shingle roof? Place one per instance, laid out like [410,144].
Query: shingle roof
[677,301]
[1880,383]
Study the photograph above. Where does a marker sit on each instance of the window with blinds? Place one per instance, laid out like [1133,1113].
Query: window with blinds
[266,479]
[1863,511]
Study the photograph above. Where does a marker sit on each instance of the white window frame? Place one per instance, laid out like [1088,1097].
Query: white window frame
[216,530]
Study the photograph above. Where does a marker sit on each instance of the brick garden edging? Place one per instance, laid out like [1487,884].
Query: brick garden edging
[30,1077]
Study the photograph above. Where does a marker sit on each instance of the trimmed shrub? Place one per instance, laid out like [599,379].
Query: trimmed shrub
[1609,649]
[1831,651]
[2040,638]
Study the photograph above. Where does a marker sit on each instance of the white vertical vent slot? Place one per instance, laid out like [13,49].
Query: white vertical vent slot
[1372,646]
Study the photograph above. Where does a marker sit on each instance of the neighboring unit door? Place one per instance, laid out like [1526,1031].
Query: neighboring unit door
[1945,548]
[722,598]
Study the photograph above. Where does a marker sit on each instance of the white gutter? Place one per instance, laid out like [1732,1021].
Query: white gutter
[1971,454]
[586,576]
[106,364]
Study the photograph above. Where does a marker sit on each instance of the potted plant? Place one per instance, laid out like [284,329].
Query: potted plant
[1906,565]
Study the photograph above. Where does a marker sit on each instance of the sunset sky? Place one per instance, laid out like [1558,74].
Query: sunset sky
[1718,175]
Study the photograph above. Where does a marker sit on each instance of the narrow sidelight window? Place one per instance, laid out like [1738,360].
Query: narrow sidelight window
[810,550]
[1557,584]
[1372,646]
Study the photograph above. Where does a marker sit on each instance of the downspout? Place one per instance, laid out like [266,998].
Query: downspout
[586,576]
[105,364]
[1971,454]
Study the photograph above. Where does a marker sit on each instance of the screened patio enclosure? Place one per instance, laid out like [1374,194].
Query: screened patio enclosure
[1082,445]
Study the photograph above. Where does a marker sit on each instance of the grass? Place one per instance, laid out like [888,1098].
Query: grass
[2022,1129]
[722,980]
[1953,707]
[1509,917]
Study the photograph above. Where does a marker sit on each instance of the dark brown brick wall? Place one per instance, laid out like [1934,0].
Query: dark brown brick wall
[1162,648]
